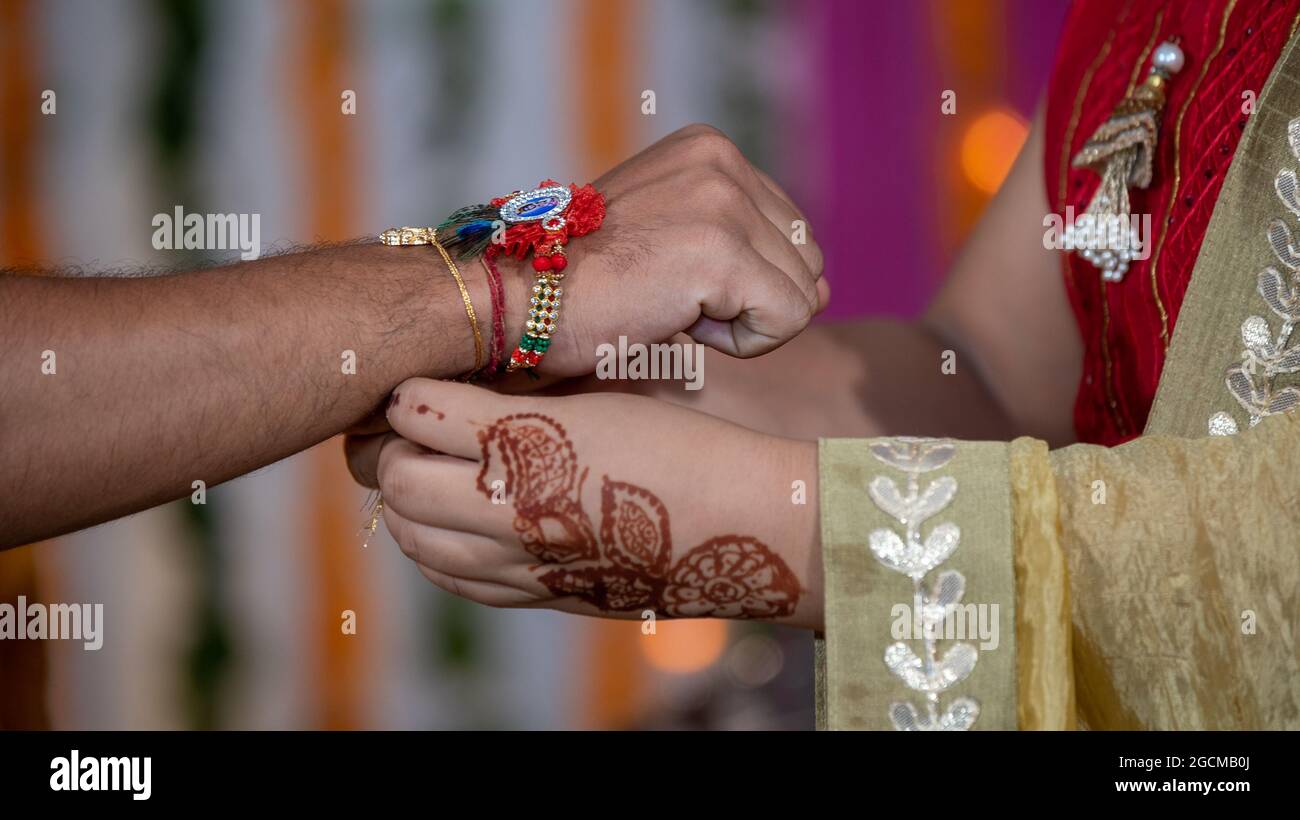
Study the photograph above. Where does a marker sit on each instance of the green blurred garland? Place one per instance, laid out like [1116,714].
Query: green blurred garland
[172,116]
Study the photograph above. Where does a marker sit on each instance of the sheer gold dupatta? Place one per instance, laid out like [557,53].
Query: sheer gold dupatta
[1187,610]
[1153,585]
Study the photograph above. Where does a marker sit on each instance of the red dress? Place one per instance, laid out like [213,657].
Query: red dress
[1230,47]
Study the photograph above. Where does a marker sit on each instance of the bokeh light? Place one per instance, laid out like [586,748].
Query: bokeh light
[684,647]
[989,147]
[755,660]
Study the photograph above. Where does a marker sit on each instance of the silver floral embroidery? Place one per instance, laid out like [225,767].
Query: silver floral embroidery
[1252,380]
[915,556]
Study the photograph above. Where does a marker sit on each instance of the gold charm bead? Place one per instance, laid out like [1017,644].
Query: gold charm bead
[407,236]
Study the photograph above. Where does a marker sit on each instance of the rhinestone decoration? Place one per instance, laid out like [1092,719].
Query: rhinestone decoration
[911,554]
[1252,380]
[537,204]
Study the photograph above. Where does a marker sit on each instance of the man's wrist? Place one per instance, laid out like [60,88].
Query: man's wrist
[428,301]
[418,312]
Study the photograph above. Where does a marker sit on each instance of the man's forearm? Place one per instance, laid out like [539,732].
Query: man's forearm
[119,393]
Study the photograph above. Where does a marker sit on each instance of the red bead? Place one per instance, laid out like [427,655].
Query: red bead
[534,357]
[541,263]
[517,356]
[558,262]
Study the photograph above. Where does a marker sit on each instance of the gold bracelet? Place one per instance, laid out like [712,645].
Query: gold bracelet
[427,236]
[469,306]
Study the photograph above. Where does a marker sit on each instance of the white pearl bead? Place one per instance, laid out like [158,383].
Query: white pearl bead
[1168,57]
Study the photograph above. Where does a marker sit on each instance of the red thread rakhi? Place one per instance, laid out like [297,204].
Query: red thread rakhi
[540,221]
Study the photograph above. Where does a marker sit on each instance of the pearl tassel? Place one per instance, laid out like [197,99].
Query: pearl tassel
[1122,152]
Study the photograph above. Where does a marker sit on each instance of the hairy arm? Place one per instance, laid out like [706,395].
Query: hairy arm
[160,381]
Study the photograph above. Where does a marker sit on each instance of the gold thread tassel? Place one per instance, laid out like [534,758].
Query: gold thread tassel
[1122,152]
[376,512]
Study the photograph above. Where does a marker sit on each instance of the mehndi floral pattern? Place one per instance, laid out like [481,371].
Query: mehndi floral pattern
[1252,381]
[629,566]
[915,556]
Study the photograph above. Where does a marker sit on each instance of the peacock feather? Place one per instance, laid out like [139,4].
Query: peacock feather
[468,231]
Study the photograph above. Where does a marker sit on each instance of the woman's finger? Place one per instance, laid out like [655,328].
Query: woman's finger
[439,490]
[481,592]
[465,555]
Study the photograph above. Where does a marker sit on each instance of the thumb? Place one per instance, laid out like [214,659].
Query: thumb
[445,416]
[362,454]
[751,313]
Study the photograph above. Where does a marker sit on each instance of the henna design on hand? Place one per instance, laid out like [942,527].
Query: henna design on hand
[543,479]
[634,528]
[630,567]
[731,576]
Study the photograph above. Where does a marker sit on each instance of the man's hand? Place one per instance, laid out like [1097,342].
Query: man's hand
[695,239]
[163,381]
[600,505]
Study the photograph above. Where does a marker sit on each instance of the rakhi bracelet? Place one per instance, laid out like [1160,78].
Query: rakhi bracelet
[540,221]
[543,311]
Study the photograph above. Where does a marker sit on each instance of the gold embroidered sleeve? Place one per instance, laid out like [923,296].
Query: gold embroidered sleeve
[983,585]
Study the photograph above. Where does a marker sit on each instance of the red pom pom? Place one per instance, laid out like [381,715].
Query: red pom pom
[558,262]
[541,263]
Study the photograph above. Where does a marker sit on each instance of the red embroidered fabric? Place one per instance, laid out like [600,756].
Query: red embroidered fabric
[1230,47]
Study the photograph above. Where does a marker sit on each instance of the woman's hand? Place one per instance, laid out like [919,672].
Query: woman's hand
[695,239]
[600,505]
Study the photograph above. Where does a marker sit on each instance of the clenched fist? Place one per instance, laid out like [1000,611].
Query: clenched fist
[695,239]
